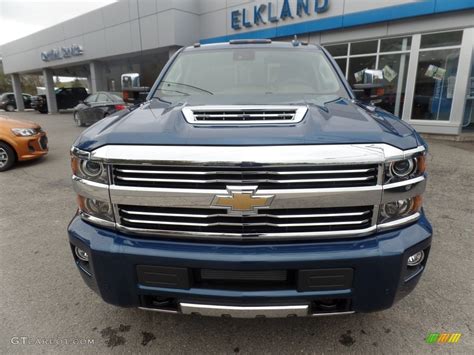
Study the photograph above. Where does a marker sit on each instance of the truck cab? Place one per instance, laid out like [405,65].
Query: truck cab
[251,183]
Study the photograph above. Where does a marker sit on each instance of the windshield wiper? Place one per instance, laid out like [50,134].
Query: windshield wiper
[190,86]
[179,92]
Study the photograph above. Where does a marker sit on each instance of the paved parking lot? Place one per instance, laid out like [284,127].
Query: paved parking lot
[43,298]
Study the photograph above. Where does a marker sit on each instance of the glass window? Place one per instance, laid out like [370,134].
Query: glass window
[442,39]
[91,98]
[364,47]
[358,64]
[468,121]
[337,50]
[341,62]
[395,68]
[102,98]
[434,86]
[395,44]
[116,97]
[250,71]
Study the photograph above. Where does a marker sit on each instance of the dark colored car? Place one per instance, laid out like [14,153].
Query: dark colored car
[8,103]
[66,98]
[97,106]
[251,183]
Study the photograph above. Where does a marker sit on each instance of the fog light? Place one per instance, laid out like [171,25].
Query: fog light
[416,258]
[81,254]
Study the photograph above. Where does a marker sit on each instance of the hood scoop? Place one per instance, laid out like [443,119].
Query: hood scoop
[244,114]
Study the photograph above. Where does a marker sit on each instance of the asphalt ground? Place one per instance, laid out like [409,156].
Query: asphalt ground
[46,308]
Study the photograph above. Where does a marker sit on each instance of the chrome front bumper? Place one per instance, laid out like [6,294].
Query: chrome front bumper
[245,312]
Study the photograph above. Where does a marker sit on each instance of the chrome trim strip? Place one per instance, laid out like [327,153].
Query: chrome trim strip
[82,154]
[244,237]
[332,314]
[259,172]
[284,198]
[244,312]
[282,225]
[404,189]
[298,113]
[161,310]
[95,220]
[405,154]
[243,180]
[222,156]
[90,189]
[190,215]
[404,183]
[399,222]
[337,154]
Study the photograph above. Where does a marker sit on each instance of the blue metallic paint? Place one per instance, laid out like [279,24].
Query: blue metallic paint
[328,121]
[335,122]
[378,261]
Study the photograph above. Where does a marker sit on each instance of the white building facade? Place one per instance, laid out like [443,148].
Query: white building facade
[424,47]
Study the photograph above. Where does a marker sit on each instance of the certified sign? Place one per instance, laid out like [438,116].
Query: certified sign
[73,50]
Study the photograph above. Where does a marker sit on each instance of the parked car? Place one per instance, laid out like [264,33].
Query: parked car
[251,183]
[19,141]
[66,98]
[97,106]
[8,102]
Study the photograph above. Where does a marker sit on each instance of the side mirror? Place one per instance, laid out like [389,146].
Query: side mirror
[370,88]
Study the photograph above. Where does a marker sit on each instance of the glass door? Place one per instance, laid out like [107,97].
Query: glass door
[468,119]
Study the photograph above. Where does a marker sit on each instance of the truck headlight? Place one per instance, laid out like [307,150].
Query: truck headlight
[395,210]
[89,170]
[405,169]
[96,208]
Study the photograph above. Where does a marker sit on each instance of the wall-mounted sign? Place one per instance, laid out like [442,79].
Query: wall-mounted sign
[73,50]
[262,14]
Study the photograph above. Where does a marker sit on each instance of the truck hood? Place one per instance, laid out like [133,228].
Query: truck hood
[329,120]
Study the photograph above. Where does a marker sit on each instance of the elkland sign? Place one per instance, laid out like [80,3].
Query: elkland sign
[73,50]
[268,13]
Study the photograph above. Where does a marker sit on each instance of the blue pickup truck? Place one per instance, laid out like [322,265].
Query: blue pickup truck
[251,183]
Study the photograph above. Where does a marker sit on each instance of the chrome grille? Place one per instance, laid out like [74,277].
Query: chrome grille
[268,222]
[248,114]
[208,177]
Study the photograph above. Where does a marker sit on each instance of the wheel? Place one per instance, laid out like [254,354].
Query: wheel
[10,108]
[7,157]
[78,120]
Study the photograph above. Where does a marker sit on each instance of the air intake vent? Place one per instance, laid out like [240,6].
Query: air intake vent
[241,115]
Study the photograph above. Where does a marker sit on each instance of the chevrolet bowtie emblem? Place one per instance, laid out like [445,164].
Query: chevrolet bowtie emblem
[242,200]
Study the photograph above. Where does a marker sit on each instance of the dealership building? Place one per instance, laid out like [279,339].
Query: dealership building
[425,48]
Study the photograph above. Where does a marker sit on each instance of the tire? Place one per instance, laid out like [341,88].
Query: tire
[7,157]
[78,120]
[9,108]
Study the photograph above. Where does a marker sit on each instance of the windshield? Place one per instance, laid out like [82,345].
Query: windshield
[253,71]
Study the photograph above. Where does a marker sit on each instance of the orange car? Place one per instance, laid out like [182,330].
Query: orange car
[20,140]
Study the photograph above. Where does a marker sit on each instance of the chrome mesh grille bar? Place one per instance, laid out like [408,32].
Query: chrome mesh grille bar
[248,114]
[214,221]
[218,177]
